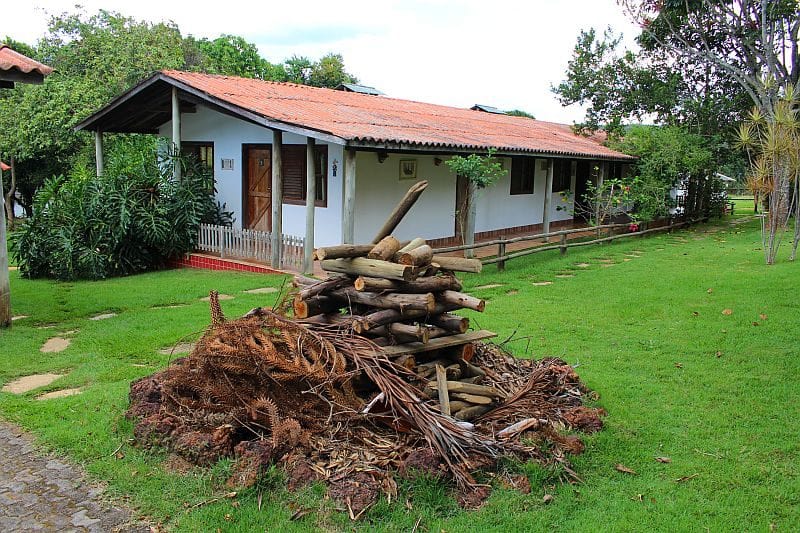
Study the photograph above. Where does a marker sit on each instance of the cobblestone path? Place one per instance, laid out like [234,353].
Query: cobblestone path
[41,493]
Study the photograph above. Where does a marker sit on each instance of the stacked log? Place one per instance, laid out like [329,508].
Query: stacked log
[402,297]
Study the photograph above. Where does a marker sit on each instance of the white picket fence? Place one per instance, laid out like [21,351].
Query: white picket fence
[250,244]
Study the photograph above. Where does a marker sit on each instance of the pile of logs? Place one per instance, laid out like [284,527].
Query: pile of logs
[401,296]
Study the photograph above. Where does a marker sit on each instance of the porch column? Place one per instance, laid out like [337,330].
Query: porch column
[471,204]
[176,132]
[311,197]
[349,202]
[277,198]
[573,178]
[98,151]
[5,286]
[548,199]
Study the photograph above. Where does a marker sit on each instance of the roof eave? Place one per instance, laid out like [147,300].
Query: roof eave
[90,122]
[401,146]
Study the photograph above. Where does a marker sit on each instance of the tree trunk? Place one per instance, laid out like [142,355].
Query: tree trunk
[458,264]
[394,300]
[455,323]
[323,286]
[12,188]
[342,251]
[461,300]
[316,305]
[417,257]
[400,211]
[385,249]
[5,286]
[361,266]
[424,284]
[469,222]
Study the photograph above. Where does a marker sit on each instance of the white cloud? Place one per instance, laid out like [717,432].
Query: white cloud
[502,53]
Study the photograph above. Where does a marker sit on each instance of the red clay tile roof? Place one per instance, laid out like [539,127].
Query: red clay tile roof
[11,60]
[377,119]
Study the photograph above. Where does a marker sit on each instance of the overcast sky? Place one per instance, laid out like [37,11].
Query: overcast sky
[501,53]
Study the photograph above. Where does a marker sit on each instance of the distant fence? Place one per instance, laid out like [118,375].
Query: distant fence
[250,244]
[563,244]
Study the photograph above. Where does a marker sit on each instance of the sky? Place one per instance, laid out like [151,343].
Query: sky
[503,53]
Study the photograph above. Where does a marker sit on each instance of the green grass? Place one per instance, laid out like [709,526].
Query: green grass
[714,392]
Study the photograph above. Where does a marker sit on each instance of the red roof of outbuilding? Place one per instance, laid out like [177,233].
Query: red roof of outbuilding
[12,60]
[378,119]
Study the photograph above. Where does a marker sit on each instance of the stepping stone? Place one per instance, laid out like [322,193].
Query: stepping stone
[54,345]
[181,347]
[62,393]
[18,317]
[489,286]
[637,252]
[70,332]
[565,275]
[103,316]
[607,261]
[221,298]
[512,292]
[606,265]
[172,306]
[28,383]
[542,283]
[140,365]
[582,265]
[626,259]
[659,249]
[262,290]
[13,268]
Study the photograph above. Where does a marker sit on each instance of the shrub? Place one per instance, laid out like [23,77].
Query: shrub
[131,219]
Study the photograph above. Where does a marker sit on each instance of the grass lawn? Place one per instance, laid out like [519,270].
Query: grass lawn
[642,319]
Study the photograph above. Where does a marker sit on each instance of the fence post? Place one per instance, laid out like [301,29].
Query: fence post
[563,243]
[221,236]
[501,252]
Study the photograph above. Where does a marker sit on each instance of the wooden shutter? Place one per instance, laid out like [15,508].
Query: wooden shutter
[293,159]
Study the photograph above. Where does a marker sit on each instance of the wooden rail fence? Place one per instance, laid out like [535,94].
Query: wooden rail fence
[250,244]
[563,244]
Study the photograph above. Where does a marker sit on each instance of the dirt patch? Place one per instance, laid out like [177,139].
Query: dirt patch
[606,261]
[170,306]
[181,347]
[541,283]
[55,345]
[582,265]
[29,383]
[357,492]
[61,393]
[489,286]
[512,292]
[221,297]
[606,265]
[261,290]
[177,465]
[103,316]
[18,317]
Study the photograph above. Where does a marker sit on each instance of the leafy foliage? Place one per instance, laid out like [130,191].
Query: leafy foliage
[482,170]
[129,220]
[666,156]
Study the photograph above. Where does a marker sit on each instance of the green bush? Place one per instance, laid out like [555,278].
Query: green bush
[131,219]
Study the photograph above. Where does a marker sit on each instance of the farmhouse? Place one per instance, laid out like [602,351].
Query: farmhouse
[270,143]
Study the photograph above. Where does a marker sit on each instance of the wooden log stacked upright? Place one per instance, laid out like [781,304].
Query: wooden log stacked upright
[401,295]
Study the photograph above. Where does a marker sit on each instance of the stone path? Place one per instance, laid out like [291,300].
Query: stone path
[41,493]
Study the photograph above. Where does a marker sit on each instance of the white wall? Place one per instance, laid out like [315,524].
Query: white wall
[379,188]
[228,134]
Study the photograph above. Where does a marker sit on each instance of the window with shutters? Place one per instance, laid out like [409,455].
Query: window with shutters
[562,175]
[293,164]
[523,170]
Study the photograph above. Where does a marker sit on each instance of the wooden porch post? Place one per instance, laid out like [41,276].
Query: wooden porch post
[98,151]
[311,196]
[277,198]
[548,198]
[176,132]
[349,202]
[5,286]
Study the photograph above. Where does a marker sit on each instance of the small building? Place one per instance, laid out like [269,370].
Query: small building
[365,149]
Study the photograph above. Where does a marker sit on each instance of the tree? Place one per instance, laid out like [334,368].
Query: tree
[619,85]
[753,43]
[773,144]
[520,113]
[327,72]
[480,172]
[234,56]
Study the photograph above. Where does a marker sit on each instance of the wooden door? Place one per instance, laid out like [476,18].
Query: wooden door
[259,187]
